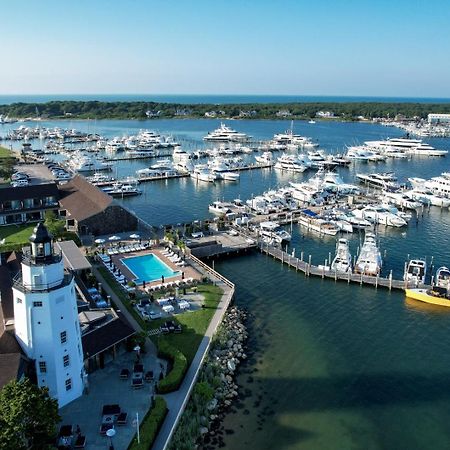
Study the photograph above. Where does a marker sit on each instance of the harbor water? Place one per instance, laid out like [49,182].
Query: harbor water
[332,366]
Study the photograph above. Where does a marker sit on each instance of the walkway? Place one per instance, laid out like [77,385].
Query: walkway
[177,401]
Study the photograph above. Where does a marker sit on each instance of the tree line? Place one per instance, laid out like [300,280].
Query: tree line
[143,110]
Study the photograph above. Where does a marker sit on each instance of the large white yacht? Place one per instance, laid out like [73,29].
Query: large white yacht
[407,146]
[226,134]
[385,180]
[294,140]
[86,164]
[381,215]
[369,261]
[265,158]
[222,171]
[426,196]
[293,163]
[402,200]
[342,262]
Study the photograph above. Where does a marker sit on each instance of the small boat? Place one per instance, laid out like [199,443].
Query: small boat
[272,233]
[342,262]
[416,271]
[443,278]
[369,261]
[265,158]
[219,207]
[435,296]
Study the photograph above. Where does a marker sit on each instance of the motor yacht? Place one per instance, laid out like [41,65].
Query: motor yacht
[380,215]
[401,200]
[219,208]
[443,278]
[226,134]
[369,261]
[86,164]
[427,197]
[416,271]
[202,173]
[292,163]
[387,180]
[122,190]
[342,262]
[426,150]
[222,171]
[265,158]
[272,233]
[312,221]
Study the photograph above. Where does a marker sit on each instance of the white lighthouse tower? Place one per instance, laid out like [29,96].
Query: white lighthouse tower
[46,319]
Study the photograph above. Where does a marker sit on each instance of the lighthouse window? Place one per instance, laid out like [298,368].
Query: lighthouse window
[63,336]
[19,300]
[37,304]
[66,360]
[42,367]
[68,384]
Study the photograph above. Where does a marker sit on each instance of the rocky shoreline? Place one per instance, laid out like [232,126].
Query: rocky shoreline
[216,389]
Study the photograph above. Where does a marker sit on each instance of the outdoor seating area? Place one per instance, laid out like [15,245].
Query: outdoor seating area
[115,272]
[138,378]
[70,437]
[120,249]
[112,415]
[170,284]
[162,307]
[173,257]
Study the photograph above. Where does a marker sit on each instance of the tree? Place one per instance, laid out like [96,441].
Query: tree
[54,225]
[28,416]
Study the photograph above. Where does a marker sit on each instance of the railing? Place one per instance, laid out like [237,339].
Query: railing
[28,258]
[42,287]
[212,271]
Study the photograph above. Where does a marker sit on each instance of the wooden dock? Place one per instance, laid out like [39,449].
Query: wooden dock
[321,271]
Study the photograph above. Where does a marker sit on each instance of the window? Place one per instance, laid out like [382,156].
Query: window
[68,384]
[66,360]
[18,300]
[42,367]
[37,304]
[63,336]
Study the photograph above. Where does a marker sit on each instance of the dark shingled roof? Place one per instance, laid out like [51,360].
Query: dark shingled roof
[81,199]
[32,191]
[6,295]
[106,336]
[11,367]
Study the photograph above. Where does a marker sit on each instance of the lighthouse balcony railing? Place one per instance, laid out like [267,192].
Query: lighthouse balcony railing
[19,284]
[28,258]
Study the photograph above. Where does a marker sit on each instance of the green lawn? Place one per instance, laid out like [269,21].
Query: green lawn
[5,153]
[194,323]
[15,235]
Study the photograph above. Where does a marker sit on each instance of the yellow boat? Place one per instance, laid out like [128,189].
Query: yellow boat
[428,296]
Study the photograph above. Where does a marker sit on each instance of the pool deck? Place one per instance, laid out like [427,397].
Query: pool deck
[189,271]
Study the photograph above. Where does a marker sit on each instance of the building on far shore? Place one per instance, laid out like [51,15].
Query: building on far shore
[438,118]
[88,210]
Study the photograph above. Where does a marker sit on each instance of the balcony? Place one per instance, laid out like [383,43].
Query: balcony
[28,259]
[19,285]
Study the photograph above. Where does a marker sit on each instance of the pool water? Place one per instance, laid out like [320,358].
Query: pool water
[148,268]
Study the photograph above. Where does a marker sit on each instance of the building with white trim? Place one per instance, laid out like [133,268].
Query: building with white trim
[46,319]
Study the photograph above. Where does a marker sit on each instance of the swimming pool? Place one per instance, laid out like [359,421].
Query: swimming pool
[148,268]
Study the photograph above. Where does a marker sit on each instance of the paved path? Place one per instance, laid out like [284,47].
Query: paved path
[176,401]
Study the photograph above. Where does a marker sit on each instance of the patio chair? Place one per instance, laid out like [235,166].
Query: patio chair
[149,376]
[111,409]
[124,374]
[122,418]
[80,441]
[105,427]
[138,368]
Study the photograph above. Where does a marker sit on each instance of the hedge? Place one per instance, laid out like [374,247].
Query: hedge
[173,379]
[150,426]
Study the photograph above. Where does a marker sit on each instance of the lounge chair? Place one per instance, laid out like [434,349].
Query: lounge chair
[109,410]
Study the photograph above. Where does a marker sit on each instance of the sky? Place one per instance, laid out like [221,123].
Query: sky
[315,47]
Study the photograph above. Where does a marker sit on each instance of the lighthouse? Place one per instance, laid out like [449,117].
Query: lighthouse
[46,319]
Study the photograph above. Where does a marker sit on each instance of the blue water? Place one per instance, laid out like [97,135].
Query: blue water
[148,268]
[332,366]
[210,98]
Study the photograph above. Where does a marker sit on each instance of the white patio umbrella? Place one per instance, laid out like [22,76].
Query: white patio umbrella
[135,236]
[114,238]
[100,241]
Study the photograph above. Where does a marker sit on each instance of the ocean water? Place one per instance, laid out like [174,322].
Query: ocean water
[209,98]
[333,366]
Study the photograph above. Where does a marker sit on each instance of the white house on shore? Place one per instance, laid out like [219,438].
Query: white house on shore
[46,319]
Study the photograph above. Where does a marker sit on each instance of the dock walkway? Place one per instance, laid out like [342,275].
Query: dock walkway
[324,272]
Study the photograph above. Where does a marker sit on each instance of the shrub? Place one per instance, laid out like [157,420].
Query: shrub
[174,378]
[150,426]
